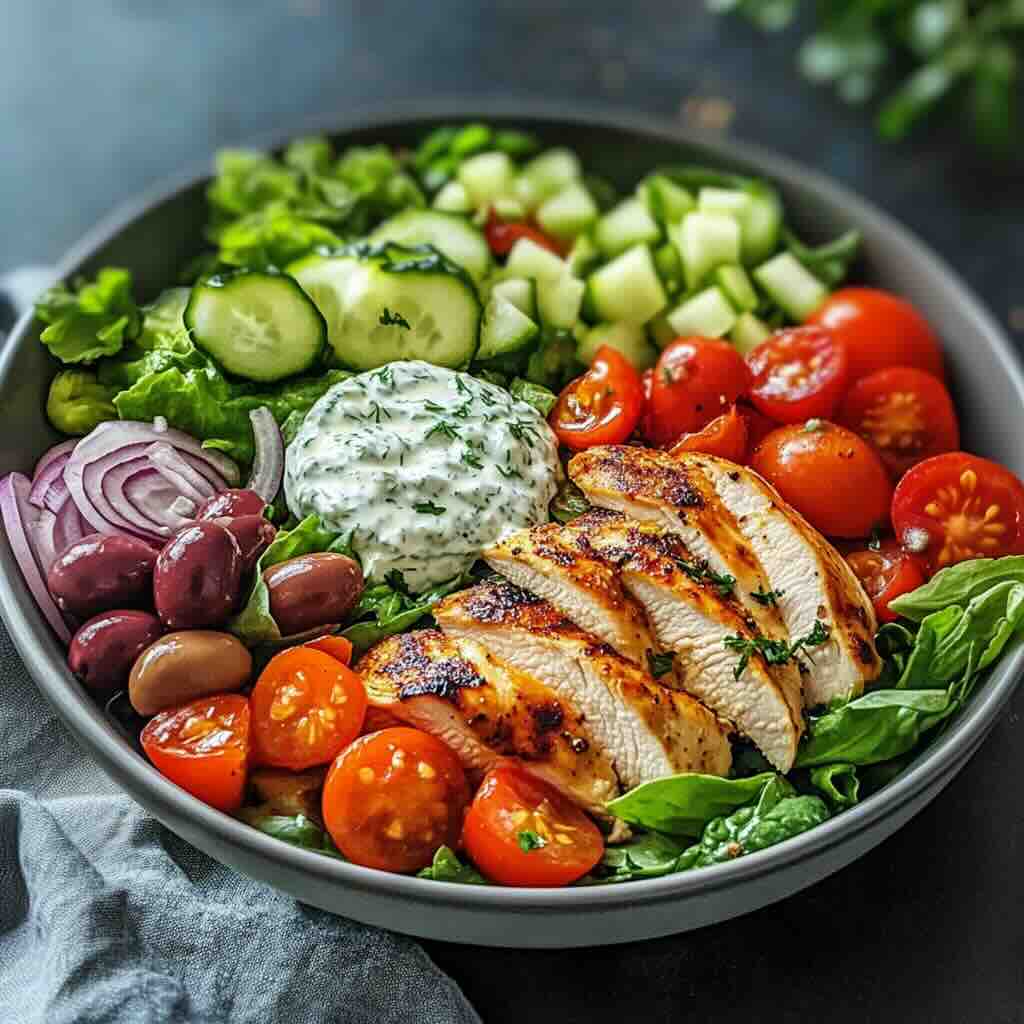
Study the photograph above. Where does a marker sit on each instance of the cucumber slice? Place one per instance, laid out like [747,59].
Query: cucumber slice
[705,241]
[521,292]
[708,315]
[628,288]
[567,213]
[666,201]
[660,331]
[584,255]
[791,286]
[559,299]
[504,329]
[748,332]
[624,226]
[629,339]
[260,326]
[451,234]
[546,174]
[389,302]
[757,213]
[487,176]
[453,198]
[734,281]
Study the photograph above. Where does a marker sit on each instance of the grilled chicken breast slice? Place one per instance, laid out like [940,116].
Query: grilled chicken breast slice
[484,710]
[647,730]
[652,486]
[718,657]
[810,579]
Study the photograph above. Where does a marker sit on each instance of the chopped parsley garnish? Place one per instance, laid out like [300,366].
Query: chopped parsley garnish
[701,572]
[389,319]
[660,664]
[529,841]
[471,459]
[431,406]
[383,375]
[443,427]
[462,411]
[769,598]
[376,411]
[428,508]
[774,652]
[523,432]
[509,472]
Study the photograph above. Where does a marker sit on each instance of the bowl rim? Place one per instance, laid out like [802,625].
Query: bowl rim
[38,648]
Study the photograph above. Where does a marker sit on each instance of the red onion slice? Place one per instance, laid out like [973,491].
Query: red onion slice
[153,497]
[48,487]
[69,526]
[152,520]
[14,506]
[268,464]
[179,473]
[65,448]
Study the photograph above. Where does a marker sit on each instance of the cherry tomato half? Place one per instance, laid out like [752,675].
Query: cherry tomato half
[306,706]
[695,380]
[501,236]
[337,647]
[393,797]
[203,747]
[886,573]
[725,436]
[798,374]
[879,329]
[833,478]
[601,407]
[957,506]
[520,831]
[905,413]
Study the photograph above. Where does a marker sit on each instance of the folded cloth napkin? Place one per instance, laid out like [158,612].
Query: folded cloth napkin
[108,918]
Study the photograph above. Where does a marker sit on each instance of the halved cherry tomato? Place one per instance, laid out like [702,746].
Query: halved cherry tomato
[957,506]
[885,574]
[203,746]
[695,380]
[601,407]
[798,374]
[306,706]
[905,413]
[393,797]
[337,647]
[833,478]
[520,831]
[725,437]
[501,236]
[880,330]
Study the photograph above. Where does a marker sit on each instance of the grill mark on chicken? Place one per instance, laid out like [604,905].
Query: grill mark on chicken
[443,678]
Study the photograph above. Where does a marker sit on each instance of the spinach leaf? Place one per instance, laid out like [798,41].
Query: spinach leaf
[297,830]
[647,856]
[448,868]
[682,804]
[532,394]
[959,584]
[838,782]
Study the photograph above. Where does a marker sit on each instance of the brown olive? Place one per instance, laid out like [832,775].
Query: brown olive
[102,571]
[104,649]
[254,535]
[312,590]
[234,502]
[198,577]
[180,667]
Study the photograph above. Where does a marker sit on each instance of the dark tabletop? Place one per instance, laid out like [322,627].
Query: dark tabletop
[100,98]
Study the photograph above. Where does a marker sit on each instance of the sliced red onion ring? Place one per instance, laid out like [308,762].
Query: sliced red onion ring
[149,493]
[48,487]
[268,464]
[69,526]
[58,450]
[15,511]
[149,519]
[181,474]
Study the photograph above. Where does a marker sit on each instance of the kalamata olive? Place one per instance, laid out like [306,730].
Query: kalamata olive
[234,502]
[312,590]
[254,535]
[180,667]
[102,571]
[104,649]
[198,577]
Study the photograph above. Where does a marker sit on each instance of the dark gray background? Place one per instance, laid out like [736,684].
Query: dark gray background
[100,98]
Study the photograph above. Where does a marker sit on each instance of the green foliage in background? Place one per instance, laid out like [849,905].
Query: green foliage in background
[964,50]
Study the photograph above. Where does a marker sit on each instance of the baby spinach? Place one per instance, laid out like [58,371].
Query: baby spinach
[649,855]
[297,830]
[958,585]
[448,868]
[838,782]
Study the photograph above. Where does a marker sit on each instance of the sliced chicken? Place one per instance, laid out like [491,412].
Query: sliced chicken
[720,655]
[654,487]
[810,580]
[647,730]
[484,710]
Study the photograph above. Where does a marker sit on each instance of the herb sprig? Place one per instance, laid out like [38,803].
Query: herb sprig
[701,572]
[775,652]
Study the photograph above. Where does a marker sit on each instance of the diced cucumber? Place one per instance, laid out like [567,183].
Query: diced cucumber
[666,201]
[509,208]
[260,326]
[559,299]
[707,314]
[390,302]
[705,241]
[748,332]
[660,331]
[453,198]
[628,224]
[734,281]
[546,174]
[791,286]
[567,213]
[628,288]
[670,269]
[521,292]
[528,259]
[629,339]
[731,201]
[504,329]
[755,210]
[584,255]
[487,176]
[450,233]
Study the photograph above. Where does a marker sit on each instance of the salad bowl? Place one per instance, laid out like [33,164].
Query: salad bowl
[159,233]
